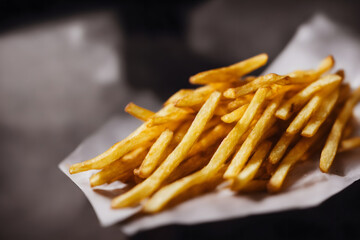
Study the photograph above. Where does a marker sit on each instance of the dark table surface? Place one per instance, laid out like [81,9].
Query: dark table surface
[67,67]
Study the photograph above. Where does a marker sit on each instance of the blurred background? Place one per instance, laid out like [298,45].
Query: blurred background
[66,67]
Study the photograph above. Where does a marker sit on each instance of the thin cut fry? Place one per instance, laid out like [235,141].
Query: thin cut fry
[177,96]
[230,73]
[332,142]
[349,144]
[304,115]
[138,112]
[293,104]
[249,172]
[152,183]
[311,75]
[235,115]
[264,123]
[263,81]
[152,159]
[321,114]
[169,113]
[280,148]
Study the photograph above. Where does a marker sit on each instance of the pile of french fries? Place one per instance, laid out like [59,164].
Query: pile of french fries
[247,131]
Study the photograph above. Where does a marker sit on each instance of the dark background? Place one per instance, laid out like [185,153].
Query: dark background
[50,102]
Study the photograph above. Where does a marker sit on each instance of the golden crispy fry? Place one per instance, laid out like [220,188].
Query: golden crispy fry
[265,122]
[263,81]
[277,89]
[280,148]
[239,102]
[180,133]
[169,113]
[325,65]
[210,138]
[140,136]
[152,183]
[199,95]
[290,159]
[154,156]
[235,115]
[304,115]
[249,172]
[349,144]
[293,104]
[311,75]
[177,96]
[138,112]
[120,167]
[321,114]
[230,73]
[332,142]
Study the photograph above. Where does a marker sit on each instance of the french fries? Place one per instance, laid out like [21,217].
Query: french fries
[248,131]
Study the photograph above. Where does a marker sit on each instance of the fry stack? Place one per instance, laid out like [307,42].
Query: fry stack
[248,131]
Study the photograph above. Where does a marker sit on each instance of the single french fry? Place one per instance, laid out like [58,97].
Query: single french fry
[311,75]
[120,167]
[251,168]
[235,115]
[325,65]
[262,81]
[264,123]
[329,151]
[294,103]
[306,112]
[199,95]
[169,113]
[154,156]
[321,114]
[280,148]
[230,73]
[138,112]
[294,155]
[235,104]
[153,182]
[210,138]
[349,144]
[177,96]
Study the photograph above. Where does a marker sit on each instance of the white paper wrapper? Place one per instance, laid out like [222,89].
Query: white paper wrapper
[304,188]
